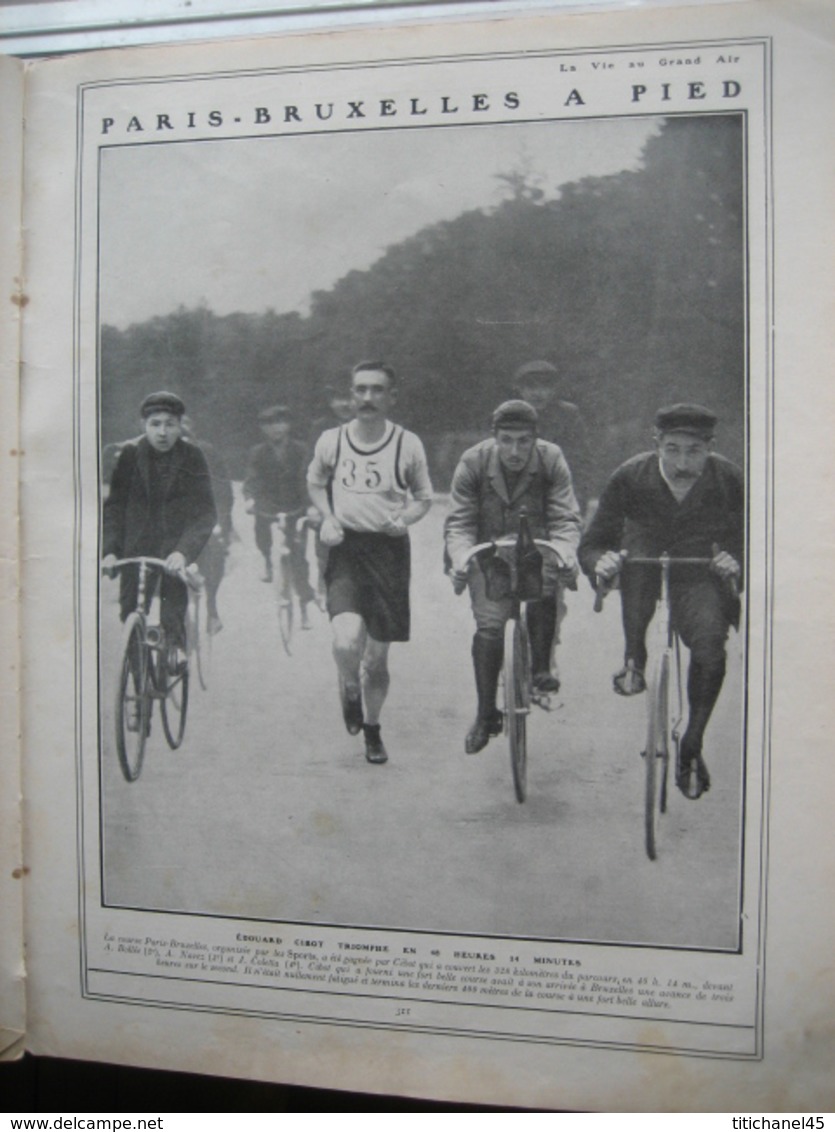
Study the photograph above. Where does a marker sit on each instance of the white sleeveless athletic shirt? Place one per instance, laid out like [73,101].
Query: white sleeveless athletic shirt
[369,485]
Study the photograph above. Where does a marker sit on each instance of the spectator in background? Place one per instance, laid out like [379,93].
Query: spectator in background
[276,483]
[559,421]
[340,411]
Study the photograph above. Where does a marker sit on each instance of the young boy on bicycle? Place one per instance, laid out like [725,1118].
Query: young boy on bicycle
[494,482]
[160,506]
[684,500]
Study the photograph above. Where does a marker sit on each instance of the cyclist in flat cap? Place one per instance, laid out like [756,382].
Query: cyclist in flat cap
[160,506]
[495,481]
[687,501]
[369,479]
[275,483]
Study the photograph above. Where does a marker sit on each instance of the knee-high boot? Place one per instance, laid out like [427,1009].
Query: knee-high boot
[704,683]
[542,622]
[488,653]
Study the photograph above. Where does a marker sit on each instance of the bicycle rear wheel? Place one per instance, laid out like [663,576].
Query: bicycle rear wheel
[174,701]
[133,699]
[656,754]
[517,683]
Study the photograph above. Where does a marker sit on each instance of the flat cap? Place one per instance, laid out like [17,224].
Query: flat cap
[693,419]
[515,414]
[275,413]
[162,402]
[538,370]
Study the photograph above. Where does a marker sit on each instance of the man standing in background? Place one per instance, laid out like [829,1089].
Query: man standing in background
[275,484]
[559,421]
[340,411]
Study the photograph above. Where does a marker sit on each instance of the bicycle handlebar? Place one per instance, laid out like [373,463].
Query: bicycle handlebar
[189,577]
[663,560]
[281,517]
[510,542]
[666,559]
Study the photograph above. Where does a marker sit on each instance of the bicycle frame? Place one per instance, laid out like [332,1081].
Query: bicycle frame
[663,724]
[190,578]
[517,675]
[666,630]
[144,674]
[282,575]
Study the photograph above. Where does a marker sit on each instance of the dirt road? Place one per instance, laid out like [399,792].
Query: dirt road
[270,811]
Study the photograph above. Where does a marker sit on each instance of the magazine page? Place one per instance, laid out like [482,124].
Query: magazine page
[12,1001]
[352,361]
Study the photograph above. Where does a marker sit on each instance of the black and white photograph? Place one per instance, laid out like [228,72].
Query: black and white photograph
[422,558]
[334,364]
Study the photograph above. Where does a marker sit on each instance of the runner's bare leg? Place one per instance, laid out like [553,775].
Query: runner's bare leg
[375,678]
[349,642]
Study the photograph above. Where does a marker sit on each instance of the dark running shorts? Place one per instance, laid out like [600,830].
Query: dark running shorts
[368,573]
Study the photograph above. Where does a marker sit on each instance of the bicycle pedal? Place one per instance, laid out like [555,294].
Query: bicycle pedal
[542,700]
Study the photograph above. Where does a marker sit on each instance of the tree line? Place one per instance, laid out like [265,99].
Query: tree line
[632,284]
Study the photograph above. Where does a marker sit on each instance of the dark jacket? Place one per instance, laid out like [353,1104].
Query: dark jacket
[562,423]
[185,513]
[277,482]
[640,514]
[482,508]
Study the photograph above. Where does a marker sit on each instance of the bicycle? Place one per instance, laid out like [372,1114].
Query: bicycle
[517,675]
[282,572]
[308,528]
[664,718]
[210,567]
[195,647]
[149,671]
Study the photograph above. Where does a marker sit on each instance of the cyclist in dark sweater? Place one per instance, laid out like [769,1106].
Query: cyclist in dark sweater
[160,506]
[687,501]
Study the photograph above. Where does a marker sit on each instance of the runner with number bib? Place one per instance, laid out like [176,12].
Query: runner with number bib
[370,481]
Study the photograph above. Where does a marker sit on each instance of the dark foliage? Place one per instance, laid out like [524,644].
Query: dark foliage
[632,284]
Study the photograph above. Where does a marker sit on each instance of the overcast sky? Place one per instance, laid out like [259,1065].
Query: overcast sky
[257,224]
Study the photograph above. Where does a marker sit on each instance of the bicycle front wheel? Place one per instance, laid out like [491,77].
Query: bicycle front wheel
[133,699]
[517,683]
[284,602]
[174,702]
[195,645]
[656,754]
